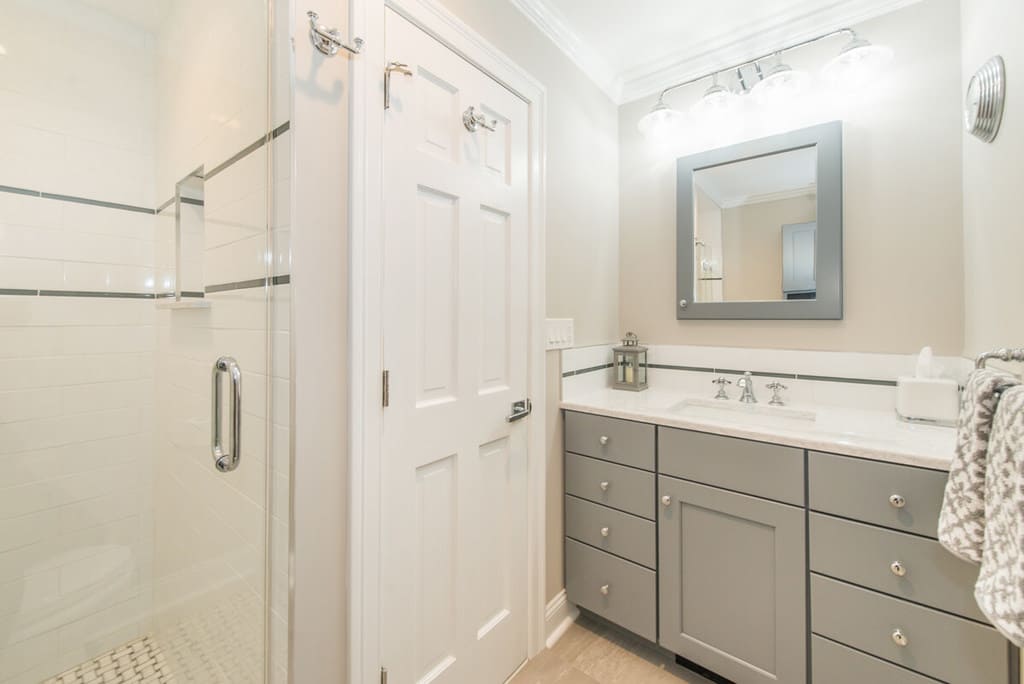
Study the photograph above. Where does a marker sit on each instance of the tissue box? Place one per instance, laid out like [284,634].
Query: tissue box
[932,399]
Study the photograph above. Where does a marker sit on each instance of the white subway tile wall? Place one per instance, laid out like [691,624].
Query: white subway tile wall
[114,525]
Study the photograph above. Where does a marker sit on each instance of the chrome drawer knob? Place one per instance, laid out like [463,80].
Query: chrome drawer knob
[605,531]
[899,638]
[666,500]
[603,440]
[605,588]
[604,486]
[897,501]
[898,568]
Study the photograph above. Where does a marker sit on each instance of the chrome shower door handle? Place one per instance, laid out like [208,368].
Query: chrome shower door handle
[226,460]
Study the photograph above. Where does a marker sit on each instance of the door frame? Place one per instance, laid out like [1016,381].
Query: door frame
[366,331]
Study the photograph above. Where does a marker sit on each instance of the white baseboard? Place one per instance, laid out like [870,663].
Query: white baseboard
[558,617]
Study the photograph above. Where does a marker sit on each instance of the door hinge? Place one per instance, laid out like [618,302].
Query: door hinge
[383,675]
[386,388]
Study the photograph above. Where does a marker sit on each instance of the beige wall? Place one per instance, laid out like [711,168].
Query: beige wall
[582,213]
[902,225]
[993,238]
[752,246]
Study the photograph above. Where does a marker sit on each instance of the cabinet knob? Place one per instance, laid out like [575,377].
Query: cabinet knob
[603,440]
[898,568]
[604,486]
[605,531]
[897,501]
[605,589]
[899,638]
[666,500]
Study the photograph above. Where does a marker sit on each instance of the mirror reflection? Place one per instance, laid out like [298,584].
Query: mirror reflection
[755,228]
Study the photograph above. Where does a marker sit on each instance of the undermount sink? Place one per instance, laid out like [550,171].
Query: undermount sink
[722,409]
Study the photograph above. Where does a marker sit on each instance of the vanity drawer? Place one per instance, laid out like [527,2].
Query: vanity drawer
[862,490]
[770,471]
[611,439]
[626,489]
[833,663]
[613,588]
[939,645]
[864,555]
[613,531]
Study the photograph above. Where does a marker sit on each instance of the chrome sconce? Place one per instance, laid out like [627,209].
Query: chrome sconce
[769,81]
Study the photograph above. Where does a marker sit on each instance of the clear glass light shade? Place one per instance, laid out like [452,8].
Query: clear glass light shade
[857,64]
[661,122]
[718,101]
[781,84]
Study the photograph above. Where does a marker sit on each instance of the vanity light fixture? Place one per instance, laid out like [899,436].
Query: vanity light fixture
[660,122]
[856,63]
[716,101]
[781,83]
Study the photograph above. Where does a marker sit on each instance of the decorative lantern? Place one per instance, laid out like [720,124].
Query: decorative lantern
[630,364]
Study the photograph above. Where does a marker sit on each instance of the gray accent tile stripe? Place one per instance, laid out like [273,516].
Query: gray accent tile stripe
[18,191]
[240,285]
[272,135]
[189,200]
[96,203]
[761,374]
[249,284]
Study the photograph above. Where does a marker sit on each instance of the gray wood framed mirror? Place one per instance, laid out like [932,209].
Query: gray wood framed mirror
[759,228]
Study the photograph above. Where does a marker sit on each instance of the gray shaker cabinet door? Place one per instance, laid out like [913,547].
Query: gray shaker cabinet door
[732,583]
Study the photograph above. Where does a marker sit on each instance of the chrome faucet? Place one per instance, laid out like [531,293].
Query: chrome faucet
[746,383]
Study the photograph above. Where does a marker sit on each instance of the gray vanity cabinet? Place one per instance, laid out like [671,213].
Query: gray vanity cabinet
[732,582]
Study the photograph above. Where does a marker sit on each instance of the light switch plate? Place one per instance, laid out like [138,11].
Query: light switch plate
[559,333]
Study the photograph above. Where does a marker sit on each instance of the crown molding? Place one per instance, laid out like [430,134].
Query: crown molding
[554,26]
[802,22]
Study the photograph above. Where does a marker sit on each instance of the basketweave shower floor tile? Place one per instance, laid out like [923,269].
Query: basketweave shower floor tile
[137,662]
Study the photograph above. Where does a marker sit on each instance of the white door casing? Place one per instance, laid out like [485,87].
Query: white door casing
[456,333]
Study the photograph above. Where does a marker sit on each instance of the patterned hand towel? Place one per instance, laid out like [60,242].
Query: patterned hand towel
[962,519]
[1000,587]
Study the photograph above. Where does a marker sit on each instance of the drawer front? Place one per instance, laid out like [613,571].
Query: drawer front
[626,489]
[865,555]
[613,588]
[613,531]
[766,470]
[859,489]
[611,439]
[939,645]
[832,663]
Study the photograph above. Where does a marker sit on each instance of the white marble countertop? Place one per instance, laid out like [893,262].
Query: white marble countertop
[877,435]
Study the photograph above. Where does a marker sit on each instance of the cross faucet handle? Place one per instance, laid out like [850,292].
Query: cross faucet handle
[776,387]
[721,382]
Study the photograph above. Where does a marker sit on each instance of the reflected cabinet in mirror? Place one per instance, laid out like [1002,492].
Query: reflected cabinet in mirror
[760,226]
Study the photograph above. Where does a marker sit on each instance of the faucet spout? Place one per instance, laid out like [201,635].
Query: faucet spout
[746,383]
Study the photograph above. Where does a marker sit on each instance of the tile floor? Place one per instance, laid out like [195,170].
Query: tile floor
[591,652]
[138,661]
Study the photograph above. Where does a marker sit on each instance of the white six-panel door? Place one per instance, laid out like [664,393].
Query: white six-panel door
[454,471]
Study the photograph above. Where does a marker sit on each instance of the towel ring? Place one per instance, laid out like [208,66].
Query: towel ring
[1005,354]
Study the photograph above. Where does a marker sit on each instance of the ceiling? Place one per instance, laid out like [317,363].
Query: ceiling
[761,179]
[633,49]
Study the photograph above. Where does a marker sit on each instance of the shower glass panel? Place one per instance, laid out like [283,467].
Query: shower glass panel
[137,247]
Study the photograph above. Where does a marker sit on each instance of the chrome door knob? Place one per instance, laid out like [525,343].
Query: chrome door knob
[605,589]
[898,568]
[666,500]
[604,486]
[899,638]
[603,440]
[605,531]
[897,501]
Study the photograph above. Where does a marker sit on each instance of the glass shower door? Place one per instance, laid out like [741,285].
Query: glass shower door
[136,250]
